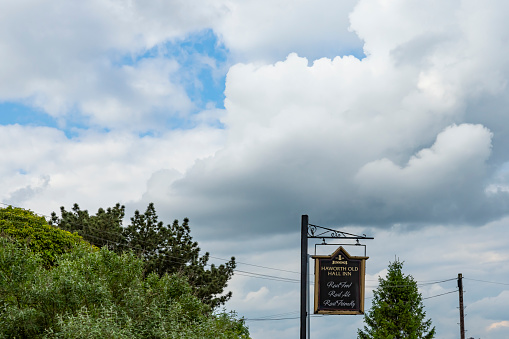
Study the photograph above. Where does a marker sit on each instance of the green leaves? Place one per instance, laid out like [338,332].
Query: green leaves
[100,294]
[103,229]
[171,249]
[163,248]
[397,311]
[25,226]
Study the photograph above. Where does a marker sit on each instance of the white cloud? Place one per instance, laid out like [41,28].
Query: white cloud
[259,295]
[269,30]
[93,169]
[456,159]
[142,95]
[494,326]
[314,135]
[68,57]
[493,307]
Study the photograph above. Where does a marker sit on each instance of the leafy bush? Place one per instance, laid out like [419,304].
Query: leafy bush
[98,294]
[34,230]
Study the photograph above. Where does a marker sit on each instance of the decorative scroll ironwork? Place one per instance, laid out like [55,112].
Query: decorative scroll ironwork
[315,231]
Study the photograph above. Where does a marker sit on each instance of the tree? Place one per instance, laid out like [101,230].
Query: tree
[171,249]
[100,294]
[397,311]
[103,229]
[26,226]
[163,248]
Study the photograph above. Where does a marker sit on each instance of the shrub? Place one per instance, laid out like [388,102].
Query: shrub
[34,230]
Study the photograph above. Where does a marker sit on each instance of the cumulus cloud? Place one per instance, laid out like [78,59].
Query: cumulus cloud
[267,31]
[495,307]
[347,138]
[399,136]
[23,194]
[499,324]
[96,59]
[261,294]
[84,58]
[94,169]
[442,180]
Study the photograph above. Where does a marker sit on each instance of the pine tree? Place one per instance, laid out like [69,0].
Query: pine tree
[397,311]
[171,249]
[164,248]
[103,229]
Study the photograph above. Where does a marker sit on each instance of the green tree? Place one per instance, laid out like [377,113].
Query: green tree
[100,294]
[397,311]
[103,229]
[26,226]
[163,248]
[171,249]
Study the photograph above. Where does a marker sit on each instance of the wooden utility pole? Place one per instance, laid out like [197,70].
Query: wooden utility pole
[462,315]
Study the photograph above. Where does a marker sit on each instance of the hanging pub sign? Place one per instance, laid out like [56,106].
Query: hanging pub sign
[339,283]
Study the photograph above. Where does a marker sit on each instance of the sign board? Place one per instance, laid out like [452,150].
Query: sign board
[339,283]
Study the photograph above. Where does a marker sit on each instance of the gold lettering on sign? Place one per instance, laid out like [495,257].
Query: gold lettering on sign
[333,268]
[339,283]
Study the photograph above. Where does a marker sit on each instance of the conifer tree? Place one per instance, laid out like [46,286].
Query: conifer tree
[164,248]
[103,229]
[397,311]
[171,249]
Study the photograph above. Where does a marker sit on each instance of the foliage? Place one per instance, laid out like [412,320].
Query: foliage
[397,311]
[171,249]
[103,229]
[26,226]
[98,294]
[163,248]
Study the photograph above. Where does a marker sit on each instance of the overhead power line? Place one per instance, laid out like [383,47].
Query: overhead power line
[260,275]
[488,282]
[439,295]
[172,259]
[212,257]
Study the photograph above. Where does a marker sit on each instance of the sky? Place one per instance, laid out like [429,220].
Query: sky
[380,117]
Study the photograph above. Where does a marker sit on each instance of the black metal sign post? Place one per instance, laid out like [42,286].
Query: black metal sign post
[309,231]
[303,275]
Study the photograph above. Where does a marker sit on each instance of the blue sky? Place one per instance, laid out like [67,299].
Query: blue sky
[376,117]
[202,61]
[18,113]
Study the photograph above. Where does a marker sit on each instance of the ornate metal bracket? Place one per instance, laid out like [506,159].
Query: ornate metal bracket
[320,232]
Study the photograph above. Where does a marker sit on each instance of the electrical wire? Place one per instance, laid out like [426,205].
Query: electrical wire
[172,259]
[247,319]
[212,257]
[439,295]
[418,284]
[259,266]
[489,282]
[277,316]
[264,276]
[247,273]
